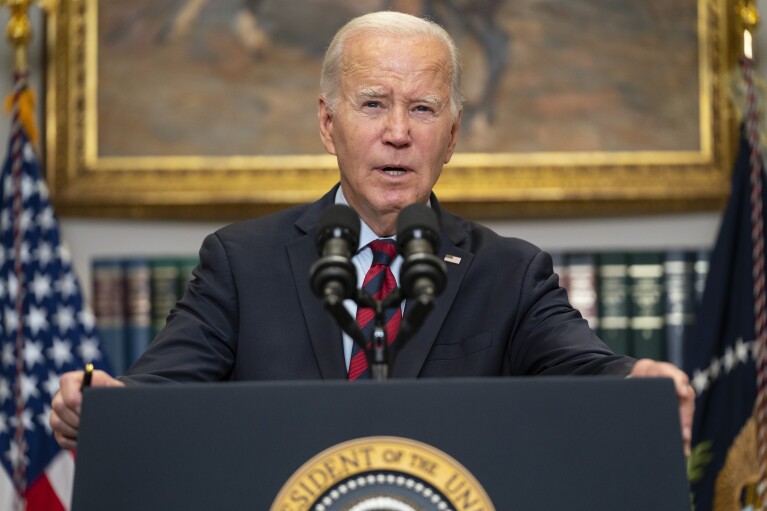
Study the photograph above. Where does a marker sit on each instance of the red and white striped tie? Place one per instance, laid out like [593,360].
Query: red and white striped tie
[379,282]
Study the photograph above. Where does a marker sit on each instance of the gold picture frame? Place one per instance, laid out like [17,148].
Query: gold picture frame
[85,181]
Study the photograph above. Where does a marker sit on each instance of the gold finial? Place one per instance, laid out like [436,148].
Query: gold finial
[19,30]
[749,17]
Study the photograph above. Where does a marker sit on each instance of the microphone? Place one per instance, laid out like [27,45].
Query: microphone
[333,277]
[423,274]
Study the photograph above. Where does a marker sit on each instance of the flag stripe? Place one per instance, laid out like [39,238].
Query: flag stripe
[61,473]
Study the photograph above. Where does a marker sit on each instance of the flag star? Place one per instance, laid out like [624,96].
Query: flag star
[8,186]
[33,353]
[729,359]
[714,369]
[27,187]
[28,153]
[60,352]
[2,254]
[88,319]
[13,286]
[16,455]
[51,385]
[26,420]
[8,355]
[29,387]
[46,219]
[25,221]
[700,381]
[11,320]
[41,286]
[37,319]
[26,256]
[44,419]
[741,350]
[3,423]
[44,254]
[65,319]
[67,286]
[89,349]
[5,390]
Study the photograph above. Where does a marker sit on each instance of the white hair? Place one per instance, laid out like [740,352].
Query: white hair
[387,23]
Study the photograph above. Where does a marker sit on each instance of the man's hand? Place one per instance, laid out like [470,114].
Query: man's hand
[66,404]
[647,368]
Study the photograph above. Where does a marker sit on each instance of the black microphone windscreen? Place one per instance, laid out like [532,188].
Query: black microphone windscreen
[421,219]
[339,216]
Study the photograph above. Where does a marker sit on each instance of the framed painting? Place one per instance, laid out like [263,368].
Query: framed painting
[205,109]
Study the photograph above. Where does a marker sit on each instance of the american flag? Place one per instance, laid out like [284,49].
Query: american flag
[44,328]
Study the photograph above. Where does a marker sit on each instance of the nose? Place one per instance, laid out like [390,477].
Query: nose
[397,128]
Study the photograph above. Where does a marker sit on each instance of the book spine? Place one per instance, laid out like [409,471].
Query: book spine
[582,286]
[138,307]
[614,302]
[109,308]
[164,281]
[680,303]
[647,305]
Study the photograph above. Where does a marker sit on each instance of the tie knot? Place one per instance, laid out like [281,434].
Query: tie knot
[384,251]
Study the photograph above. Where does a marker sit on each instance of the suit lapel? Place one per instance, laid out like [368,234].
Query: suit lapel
[324,333]
[411,357]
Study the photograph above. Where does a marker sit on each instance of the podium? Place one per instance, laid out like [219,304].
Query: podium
[510,444]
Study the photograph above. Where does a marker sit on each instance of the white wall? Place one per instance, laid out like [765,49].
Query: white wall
[93,237]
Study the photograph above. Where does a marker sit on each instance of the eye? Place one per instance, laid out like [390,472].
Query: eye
[371,104]
[423,108]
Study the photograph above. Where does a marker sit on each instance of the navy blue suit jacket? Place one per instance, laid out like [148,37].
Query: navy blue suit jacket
[249,313]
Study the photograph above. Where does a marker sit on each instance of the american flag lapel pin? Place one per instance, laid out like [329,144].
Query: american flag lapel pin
[452,259]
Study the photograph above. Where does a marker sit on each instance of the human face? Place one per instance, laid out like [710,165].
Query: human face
[392,129]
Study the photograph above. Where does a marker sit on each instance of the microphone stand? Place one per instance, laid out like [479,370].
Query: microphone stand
[378,353]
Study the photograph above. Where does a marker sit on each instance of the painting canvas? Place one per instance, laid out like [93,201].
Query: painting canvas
[209,86]
[241,76]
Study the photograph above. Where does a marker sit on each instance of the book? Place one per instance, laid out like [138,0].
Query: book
[582,286]
[646,305]
[109,307]
[613,289]
[165,290]
[138,307]
[679,288]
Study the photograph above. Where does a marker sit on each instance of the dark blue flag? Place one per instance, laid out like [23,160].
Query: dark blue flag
[44,331]
[720,360]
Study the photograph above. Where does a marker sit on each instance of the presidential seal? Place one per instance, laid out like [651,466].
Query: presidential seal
[382,474]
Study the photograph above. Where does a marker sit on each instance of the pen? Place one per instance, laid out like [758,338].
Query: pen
[87,375]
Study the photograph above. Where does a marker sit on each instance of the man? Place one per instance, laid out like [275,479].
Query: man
[390,110]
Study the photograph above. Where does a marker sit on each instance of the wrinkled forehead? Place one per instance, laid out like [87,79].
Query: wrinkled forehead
[373,54]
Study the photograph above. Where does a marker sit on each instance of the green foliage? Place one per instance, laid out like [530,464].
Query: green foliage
[699,457]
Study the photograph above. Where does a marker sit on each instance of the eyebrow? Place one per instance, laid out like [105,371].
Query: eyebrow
[378,92]
[372,92]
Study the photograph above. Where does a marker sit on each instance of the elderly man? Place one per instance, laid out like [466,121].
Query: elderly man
[390,110]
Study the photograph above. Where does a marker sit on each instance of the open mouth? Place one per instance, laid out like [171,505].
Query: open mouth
[394,171]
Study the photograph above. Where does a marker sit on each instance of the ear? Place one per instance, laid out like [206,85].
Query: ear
[326,126]
[454,129]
